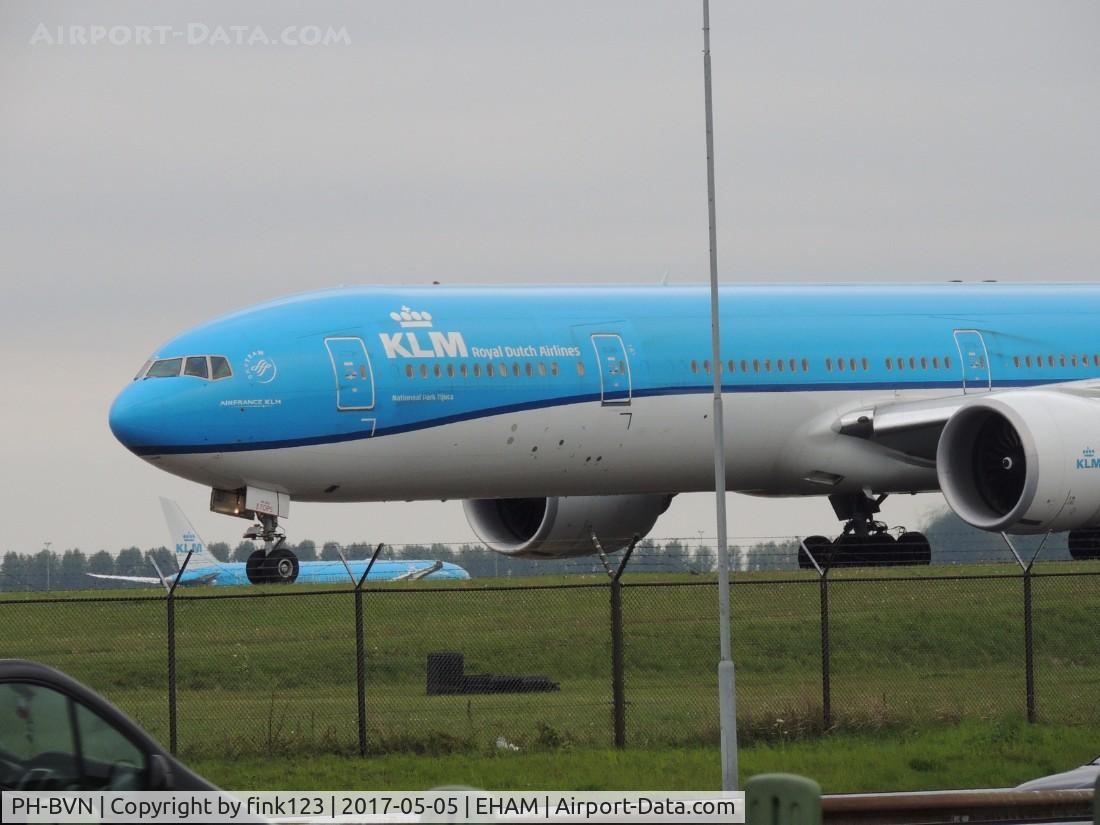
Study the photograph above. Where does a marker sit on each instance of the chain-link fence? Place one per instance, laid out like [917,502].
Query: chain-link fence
[432,668]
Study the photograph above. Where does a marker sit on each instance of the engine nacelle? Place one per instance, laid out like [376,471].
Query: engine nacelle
[552,528]
[1023,462]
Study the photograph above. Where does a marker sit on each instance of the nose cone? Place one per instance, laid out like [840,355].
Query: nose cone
[134,418]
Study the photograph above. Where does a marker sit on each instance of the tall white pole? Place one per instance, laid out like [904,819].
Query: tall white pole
[727,704]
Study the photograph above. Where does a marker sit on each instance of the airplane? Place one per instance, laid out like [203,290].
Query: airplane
[566,418]
[204,569]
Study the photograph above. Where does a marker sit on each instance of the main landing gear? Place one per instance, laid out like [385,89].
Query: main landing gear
[274,564]
[1084,544]
[865,541]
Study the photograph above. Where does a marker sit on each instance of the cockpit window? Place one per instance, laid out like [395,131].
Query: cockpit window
[144,367]
[196,366]
[165,368]
[219,367]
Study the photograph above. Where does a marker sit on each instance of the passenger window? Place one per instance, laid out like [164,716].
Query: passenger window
[1016,361]
[463,370]
[219,367]
[732,366]
[423,370]
[793,365]
[502,370]
[580,368]
[1073,360]
[840,364]
[450,370]
[767,365]
[477,370]
[706,366]
[756,365]
[1061,360]
[744,365]
[923,363]
[865,365]
[694,366]
[515,369]
[1027,361]
[901,363]
[947,362]
[554,368]
[935,362]
[889,363]
[409,371]
[1050,360]
[1096,360]
[828,364]
[805,365]
[912,363]
[779,364]
[167,368]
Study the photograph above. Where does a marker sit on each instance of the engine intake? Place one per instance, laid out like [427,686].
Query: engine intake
[1022,462]
[551,528]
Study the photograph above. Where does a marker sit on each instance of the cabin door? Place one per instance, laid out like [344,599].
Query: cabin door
[614,369]
[354,376]
[975,361]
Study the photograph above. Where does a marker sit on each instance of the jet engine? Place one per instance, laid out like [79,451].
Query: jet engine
[1023,462]
[550,528]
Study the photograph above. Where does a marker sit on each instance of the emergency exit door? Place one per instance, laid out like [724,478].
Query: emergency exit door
[614,368]
[975,360]
[354,377]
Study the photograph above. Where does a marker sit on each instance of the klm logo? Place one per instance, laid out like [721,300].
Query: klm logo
[190,544]
[435,344]
[1088,460]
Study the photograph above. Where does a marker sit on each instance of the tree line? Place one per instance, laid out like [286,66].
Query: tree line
[48,570]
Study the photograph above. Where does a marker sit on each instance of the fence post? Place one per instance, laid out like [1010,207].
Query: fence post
[618,678]
[1029,647]
[360,647]
[1029,641]
[170,589]
[172,672]
[826,666]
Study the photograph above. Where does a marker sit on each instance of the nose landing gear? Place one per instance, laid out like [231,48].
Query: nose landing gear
[274,564]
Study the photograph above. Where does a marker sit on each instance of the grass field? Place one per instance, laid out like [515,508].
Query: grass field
[269,674]
[969,755]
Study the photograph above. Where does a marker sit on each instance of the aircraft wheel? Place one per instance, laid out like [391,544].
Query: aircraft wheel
[851,550]
[913,549]
[282,567]
[822,550]
[881,549]
[256,568]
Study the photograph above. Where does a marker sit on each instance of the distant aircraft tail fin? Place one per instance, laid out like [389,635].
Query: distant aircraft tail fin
[184,538]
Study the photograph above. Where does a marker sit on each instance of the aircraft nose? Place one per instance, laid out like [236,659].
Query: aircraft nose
[134,418]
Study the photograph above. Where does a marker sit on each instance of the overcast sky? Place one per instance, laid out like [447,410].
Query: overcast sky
[146,188]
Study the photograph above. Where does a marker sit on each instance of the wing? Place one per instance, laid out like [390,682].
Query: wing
[138,579]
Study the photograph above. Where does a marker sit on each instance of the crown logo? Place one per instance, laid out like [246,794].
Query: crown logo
[1088,452]
[411,318]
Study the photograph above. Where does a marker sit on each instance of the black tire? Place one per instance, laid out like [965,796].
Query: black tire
[914,549]
[282,567]
[850,550]
[256,567]
[822,550]
[882,550]
[1084,544]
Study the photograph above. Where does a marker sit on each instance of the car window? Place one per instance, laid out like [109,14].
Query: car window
[48,742]
[37,748]
[110,759]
